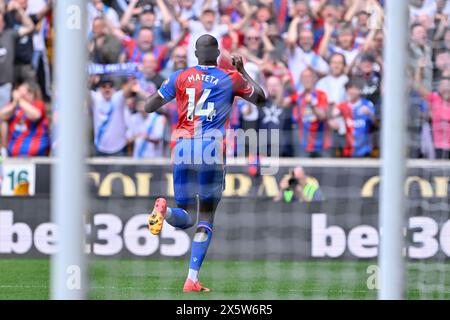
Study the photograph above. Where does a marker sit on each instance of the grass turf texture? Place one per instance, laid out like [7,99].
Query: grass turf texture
[147,279]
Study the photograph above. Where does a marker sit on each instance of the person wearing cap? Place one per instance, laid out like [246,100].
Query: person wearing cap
[108,112]
[358,115]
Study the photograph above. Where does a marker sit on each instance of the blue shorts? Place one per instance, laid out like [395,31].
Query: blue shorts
[198,169]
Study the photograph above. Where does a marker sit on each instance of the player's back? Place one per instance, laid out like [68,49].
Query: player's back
[204,97]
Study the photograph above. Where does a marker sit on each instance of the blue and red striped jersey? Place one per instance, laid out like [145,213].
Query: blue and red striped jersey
[314,134]
[204,96]
[358,123]
[28,138]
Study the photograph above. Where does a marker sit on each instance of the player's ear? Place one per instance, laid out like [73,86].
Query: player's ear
[218,52]
[196,54]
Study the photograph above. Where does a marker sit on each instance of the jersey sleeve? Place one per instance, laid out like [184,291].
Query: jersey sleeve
[241,87]
[168,90]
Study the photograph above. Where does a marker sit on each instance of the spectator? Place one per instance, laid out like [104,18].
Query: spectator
[302,56]
[358,116]
[207,24]
[345,43]
[39,11]
[8,39]
[103,47]
[177,62]
[334,83]
[420,50]
[147,19]
[371,80]
[16,18]
[297,186]
[28,127]
[439,106]
[146,132]
[108,110]
[96,8]
[274,116]
[149,78]
[310,113]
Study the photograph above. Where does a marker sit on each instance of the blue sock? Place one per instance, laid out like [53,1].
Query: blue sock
[179,218]
[200,246]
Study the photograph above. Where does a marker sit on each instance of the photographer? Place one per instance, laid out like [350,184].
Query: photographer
[297,187]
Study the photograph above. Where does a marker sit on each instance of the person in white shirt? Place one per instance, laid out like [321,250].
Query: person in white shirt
[334,83]
[108,110]
[146,132]
[303,56]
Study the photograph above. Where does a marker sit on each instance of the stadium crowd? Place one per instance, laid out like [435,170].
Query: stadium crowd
[320,62]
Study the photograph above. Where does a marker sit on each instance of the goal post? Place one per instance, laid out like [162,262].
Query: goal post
[393,167]
[68,182]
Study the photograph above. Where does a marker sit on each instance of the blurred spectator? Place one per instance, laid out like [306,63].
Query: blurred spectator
[178,61]
[274,116]
[439,106]
[96,8]
[358,115]
[16,18]
[302,56]
[8,39]
[103,47]
[108,110]
[149,78]
[28,127]
[146,18]
[420,50]
[371,80]
[310,114]
[297,186]
[334,83]
[146,132]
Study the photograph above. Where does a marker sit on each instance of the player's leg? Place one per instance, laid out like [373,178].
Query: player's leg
[184,182]
[211,185]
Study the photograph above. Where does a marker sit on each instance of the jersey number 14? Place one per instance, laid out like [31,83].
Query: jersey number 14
[197,109]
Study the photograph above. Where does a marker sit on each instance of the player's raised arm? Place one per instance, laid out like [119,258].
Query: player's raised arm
[257,96]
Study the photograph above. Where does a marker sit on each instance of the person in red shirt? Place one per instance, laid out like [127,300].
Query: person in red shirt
[310,113]
[28,128]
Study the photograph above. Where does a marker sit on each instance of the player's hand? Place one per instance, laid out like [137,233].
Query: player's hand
[237,62]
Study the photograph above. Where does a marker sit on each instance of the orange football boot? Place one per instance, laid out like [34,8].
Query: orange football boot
[191,286]
[156,219]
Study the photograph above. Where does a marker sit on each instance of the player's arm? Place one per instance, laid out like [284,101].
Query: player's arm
[154,102]
[258,96]
[165,94]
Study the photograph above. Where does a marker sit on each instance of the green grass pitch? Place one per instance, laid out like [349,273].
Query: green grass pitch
[150,279]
